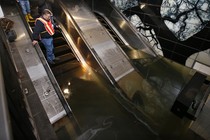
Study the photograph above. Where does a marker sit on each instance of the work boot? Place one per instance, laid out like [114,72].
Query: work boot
[27,19]
[30,17]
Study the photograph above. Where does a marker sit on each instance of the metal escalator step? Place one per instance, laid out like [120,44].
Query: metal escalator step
[58,50]
[61,50]
[57,33]
[59,41]
[65,67]
[65,58]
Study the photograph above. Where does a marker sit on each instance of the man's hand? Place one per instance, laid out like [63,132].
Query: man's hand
[34,42]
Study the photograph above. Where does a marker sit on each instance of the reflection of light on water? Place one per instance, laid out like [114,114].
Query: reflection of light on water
[87,72]
[66,91]
[92,132]
[69,83]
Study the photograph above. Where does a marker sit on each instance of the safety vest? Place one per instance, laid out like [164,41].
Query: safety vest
[48,26]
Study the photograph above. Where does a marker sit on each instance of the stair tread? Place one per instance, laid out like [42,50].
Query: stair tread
[58,41]
[65,67]
[60,50]
[66,57]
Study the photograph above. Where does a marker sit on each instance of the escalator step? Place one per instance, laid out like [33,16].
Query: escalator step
[66,67]
[65,58]
[61,50]
[59,41]
[57,33]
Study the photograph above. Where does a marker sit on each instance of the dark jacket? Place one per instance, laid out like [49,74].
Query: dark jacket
[40,31]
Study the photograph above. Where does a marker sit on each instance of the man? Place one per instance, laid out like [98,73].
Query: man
[44,31]
[25,5]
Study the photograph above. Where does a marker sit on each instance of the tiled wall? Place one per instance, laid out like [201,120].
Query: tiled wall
[177,29]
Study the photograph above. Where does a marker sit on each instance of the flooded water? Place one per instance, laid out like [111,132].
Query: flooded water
[101,114]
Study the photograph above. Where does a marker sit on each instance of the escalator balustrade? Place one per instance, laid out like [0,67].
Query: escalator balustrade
[110,30]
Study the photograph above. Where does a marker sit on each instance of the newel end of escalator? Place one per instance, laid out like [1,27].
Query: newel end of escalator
[192,97]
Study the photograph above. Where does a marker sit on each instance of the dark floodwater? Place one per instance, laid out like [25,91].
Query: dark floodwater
[101,116]
[98,113]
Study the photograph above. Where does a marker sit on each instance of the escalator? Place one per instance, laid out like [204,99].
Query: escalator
[62,68]
[67,60]
[107,26]
[116,36]
[119,23]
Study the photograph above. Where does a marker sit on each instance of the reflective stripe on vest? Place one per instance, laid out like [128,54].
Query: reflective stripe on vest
[48,26]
